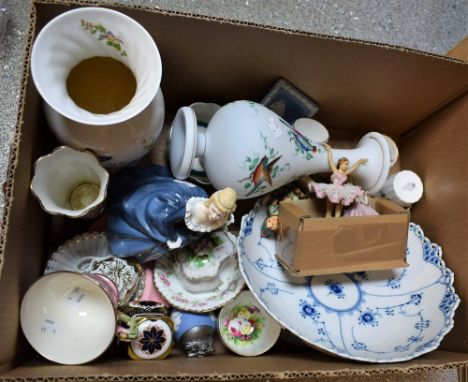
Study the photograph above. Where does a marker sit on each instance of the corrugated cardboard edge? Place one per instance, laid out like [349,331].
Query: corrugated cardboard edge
[460,51]
[248,24]
[8,191]
[286,375]
[298,273]
[14,148]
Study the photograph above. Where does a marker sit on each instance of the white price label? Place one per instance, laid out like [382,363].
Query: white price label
[275,128]
[49,327]
[74,298]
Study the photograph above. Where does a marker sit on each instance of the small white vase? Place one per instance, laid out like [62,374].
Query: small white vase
[58,174]
[251,149]
[117,138]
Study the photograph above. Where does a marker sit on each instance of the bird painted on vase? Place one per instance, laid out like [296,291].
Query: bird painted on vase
[262,172]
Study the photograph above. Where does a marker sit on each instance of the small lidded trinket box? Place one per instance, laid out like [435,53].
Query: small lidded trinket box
[194,332]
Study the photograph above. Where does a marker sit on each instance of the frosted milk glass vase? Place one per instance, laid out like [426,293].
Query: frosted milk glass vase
[251,149]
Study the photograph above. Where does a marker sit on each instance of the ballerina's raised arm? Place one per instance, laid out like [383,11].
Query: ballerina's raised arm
[330,157]
[356,165]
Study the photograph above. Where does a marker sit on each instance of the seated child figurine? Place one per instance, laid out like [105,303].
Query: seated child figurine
[338,193]
[209,214]
[270,227]
[146,214]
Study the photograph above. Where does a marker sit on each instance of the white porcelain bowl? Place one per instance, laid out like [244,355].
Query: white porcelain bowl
[68,318]
[383,316]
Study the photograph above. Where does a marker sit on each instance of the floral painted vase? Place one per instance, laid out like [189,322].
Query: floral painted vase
[119,138]
[259,151]
[194,332]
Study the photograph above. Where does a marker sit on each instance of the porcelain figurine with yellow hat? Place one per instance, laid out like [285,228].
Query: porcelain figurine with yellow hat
[206,215]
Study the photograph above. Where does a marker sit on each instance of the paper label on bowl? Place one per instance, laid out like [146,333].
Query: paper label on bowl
[50,327]
[74,298]
[276,129]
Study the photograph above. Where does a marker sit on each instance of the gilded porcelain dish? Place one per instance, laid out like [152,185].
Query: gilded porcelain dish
[168,283]
[90,253]
[154,339]
[246,328]
[383,316]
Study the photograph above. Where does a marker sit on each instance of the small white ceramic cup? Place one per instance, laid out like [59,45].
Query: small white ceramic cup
[65,174]
[119,138]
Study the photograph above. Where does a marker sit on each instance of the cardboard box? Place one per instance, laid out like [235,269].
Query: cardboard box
[314,245]
[416,98]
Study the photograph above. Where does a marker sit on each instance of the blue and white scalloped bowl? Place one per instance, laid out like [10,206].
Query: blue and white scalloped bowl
[383,316]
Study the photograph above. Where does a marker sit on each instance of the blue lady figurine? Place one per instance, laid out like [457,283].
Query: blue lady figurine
[146,217]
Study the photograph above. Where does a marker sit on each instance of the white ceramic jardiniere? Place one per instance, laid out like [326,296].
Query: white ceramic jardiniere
[70,183]
[70,318]
[118,138]
[251,149]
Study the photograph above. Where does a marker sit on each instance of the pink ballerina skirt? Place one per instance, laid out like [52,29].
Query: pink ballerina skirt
[338,191]
[359,209]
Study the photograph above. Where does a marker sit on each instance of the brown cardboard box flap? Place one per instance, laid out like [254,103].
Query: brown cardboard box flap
[311,244]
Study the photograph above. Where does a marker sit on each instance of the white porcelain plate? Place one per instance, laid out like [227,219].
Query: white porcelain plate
[383,316]
[90,253]
[169,286]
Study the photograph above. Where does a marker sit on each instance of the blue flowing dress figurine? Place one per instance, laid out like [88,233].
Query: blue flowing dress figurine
[146,216]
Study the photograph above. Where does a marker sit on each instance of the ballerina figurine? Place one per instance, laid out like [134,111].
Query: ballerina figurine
[206,215]
[338,192]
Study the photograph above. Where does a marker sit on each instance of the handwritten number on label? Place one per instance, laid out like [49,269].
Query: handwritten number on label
[276,129]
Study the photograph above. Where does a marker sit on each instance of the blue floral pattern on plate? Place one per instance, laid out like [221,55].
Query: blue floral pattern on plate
[382,316]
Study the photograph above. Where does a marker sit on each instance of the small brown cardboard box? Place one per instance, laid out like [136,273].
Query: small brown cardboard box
[313,245]
[418,99]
